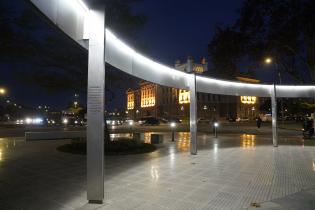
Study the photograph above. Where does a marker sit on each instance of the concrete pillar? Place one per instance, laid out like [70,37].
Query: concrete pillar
[274,116]
[95,107]
[193,115]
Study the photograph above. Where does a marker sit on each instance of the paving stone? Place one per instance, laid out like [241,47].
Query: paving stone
[226,176]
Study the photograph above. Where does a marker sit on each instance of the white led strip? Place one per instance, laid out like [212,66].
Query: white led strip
[123,57]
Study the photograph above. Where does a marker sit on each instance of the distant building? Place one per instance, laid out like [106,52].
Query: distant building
[248,106]
[164,102]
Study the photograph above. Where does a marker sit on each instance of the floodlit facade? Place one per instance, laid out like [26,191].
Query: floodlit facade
[153,100]
[248,106]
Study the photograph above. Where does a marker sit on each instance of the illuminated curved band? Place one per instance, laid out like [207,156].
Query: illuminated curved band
[123,57]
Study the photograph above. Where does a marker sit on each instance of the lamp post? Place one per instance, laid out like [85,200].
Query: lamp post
[173,125]
[215,125]
[3,91]
[268,61]
[130,126]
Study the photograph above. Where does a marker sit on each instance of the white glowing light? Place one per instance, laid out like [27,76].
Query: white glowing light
[28,120]
[65,121]
[173,125]
[216,124]
[130,123]
[37,121]
[82,5]
[129,60]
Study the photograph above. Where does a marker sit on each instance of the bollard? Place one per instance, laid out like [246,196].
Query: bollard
[216,125]
[173,125]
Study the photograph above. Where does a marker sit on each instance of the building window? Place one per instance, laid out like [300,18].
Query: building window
[148,95]
[183,97]
[248,99]
[130,100]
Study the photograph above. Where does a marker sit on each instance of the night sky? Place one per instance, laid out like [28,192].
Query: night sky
[178,28]
[174,30]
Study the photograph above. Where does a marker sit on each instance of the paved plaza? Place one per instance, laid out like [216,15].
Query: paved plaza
[231,172]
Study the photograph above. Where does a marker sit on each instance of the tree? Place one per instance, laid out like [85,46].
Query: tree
[54,62]
[226,49]
[279,28]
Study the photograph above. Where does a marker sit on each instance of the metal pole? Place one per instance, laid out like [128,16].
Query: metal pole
[281,99]
[215,132]
[193,115]
[173,135]
[95,108]
[274,116]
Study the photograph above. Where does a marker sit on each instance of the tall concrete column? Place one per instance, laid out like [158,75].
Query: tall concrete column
[274,116]
[193,115]
[95,107]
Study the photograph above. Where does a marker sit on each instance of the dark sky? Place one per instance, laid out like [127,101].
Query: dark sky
[174,30]
[178,28]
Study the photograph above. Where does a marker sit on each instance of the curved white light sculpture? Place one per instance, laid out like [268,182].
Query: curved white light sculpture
[71,16]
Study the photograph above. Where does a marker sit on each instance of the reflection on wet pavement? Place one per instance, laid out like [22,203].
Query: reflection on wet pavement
[248,141]
[229,172]
[8,144]
[205,141]
[183,141]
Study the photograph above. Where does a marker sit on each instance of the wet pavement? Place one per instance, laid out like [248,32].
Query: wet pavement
[231,172]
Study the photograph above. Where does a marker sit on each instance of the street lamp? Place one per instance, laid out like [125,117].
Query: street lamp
[268,61]
[173,125]
[216,125]
[130,126]
[2,91]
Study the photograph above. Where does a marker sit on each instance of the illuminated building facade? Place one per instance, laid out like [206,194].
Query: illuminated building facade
[248,106]
[165,102]
[130,100]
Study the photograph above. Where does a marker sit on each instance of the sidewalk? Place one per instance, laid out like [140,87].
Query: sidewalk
[228,173]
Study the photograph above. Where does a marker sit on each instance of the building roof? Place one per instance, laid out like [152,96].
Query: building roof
[247,79]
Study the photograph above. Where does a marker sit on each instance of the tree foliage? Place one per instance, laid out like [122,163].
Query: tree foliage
[52,61]
[282,29]
[225,61]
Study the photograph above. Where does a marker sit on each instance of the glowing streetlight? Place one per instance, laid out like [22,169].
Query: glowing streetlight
[130,123]
[216,125]
[173,125]
[268,60]
[2,91]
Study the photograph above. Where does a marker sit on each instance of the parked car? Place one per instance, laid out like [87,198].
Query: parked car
[151,121]
[266,118]
[242,120]
[174,119]
[231,119]
[203,120]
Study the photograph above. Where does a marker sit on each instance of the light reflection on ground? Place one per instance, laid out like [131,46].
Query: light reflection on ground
[183,141]
[7,144]
[230,165]
[248,141]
